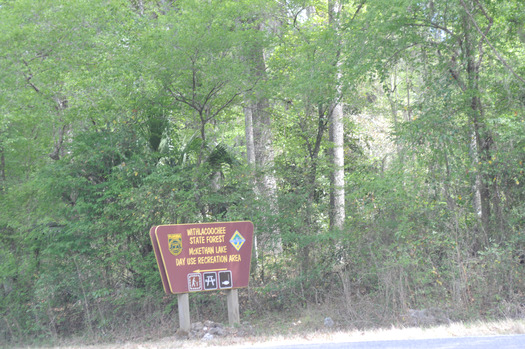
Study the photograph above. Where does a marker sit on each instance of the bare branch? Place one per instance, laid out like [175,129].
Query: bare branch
[29,77]
[179,97]
[228,102]
[213,92]
[358,9]
[432,25]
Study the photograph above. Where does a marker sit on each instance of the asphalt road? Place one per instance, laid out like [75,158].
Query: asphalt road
[489,342]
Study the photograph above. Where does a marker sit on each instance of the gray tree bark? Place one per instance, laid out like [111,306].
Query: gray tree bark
[260,150]
[248,127]
[337,194]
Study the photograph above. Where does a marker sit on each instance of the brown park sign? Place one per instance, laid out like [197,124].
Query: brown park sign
[203,256]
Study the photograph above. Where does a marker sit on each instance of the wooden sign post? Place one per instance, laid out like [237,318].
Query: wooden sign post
[233,307]
[183,301]
[203,257]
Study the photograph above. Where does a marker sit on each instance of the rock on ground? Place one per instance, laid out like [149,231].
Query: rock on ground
[209,330]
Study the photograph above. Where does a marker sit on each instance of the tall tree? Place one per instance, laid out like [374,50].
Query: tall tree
[337,194]
[258,131]
[194,51]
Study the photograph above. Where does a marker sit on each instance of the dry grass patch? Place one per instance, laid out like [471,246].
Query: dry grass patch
[479,328]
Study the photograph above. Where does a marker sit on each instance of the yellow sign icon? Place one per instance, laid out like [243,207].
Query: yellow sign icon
[175,244]
[237,240]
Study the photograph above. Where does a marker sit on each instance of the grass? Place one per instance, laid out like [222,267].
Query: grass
[309,329]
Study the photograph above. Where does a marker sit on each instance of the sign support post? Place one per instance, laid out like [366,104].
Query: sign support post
[184,311]
[233,307]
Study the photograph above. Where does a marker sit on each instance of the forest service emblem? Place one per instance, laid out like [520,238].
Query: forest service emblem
[175,244]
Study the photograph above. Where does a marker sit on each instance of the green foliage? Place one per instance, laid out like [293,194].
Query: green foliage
[119,115]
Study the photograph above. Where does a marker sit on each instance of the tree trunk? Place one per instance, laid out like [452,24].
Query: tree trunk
[482,142]
[476,183]
[248,127]
[260,150]
[337,194]
[61,105]
[2,165]
[266,185]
